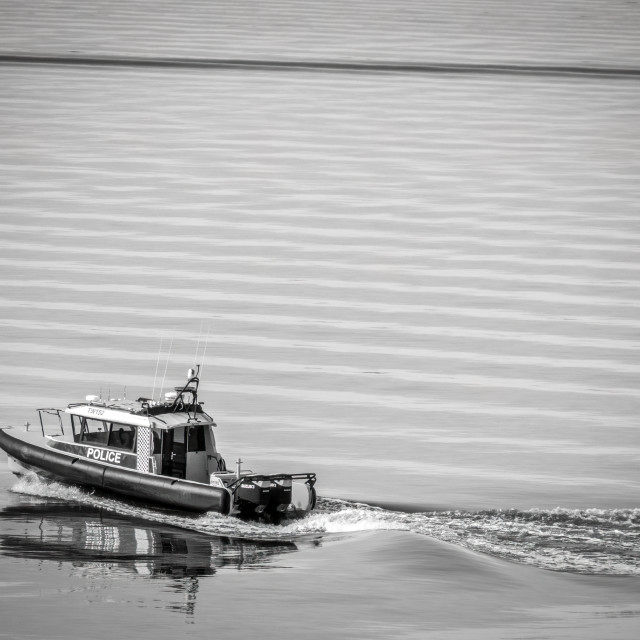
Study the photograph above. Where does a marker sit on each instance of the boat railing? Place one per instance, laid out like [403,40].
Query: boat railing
[309,478]
[52,412]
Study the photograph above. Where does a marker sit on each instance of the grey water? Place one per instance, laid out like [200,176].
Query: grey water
[422,286]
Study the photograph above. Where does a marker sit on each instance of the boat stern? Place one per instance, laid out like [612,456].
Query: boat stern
[273,497]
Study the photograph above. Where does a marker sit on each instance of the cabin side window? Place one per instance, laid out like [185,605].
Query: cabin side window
[157,442]
[94,431]
[122,436]
[195,439]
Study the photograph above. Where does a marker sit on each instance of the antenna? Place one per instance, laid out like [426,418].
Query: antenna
[195,358]
[166,365]
[153,393]
[204,353]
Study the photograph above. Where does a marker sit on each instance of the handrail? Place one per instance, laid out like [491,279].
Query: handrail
[310,478]
[53,412]
[179,402]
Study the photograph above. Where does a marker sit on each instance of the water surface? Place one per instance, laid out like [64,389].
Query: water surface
[423,287]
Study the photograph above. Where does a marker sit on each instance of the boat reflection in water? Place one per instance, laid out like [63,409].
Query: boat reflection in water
[93,541]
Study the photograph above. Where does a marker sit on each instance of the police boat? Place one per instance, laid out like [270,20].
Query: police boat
[163,452]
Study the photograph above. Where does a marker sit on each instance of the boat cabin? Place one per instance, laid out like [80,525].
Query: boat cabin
[172,438]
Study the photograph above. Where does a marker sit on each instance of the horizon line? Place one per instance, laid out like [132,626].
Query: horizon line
[301,65]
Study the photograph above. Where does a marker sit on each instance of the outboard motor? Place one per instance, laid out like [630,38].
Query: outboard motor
[253,496]
[280,497]
[274,497]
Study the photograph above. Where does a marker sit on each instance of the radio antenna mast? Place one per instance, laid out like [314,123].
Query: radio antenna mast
[166,366]
[204,353]
[195,358]
[153,393]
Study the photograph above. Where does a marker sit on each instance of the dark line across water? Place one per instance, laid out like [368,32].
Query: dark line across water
[293,65]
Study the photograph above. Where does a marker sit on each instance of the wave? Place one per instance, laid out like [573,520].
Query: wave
[309,65]
[586,541]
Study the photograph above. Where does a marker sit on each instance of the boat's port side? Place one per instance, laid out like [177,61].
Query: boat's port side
[57,464]
[93,452]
